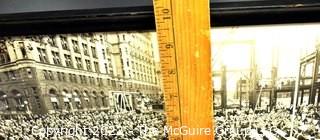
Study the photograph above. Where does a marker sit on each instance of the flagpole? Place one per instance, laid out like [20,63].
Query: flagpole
[296,90]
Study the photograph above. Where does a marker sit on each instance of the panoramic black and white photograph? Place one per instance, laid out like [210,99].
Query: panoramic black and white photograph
[81,86]
[108,85]
[266,82]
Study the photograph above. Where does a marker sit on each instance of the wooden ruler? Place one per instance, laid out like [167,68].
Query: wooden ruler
[183,30]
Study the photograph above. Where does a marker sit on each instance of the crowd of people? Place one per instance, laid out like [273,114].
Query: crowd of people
[91,125]
[236,124]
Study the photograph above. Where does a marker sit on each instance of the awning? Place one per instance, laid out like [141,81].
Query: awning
[54,99]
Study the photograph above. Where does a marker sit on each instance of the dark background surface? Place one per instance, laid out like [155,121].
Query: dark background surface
[63,16]
[16,6]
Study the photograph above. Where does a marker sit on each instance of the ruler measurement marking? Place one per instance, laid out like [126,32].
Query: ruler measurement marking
[168,19]
[175,55]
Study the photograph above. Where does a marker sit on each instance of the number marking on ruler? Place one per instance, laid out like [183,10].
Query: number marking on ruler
[166,38]
[183,30]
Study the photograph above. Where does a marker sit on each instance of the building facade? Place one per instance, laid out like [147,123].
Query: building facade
[73,72]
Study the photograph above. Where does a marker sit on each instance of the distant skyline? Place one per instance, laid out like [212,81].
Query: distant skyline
[290,41]
[278,45]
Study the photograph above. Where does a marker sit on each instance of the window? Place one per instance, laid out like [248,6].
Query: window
[59,76]
[96,66]
[11,75]
[85,49]
[63,77]
[75,46]
[70,77]
[85,79]
[23,49]
[93,51]
[53,42]
[113,83]
[99,80]
[106,67]
[64,43]
[81,79]
[68,60]
[104,54]
[51,77]
[3,59]
[74,78]
[88,64]
[79,63]
[42,55]
[56,58]
[92,81]
[45,74]
[109,82]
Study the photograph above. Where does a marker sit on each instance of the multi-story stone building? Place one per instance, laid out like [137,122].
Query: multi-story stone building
[73,72]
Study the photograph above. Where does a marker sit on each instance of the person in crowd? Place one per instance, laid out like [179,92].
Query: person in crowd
[92,125]
[306,123]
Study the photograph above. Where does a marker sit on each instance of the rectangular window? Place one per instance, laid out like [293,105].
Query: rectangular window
[96,66]
[85,49]
[68,60]
[53,42]
[42,55]
[88,64]
[64,43]
[81,79]
[93,51]
[63,76]
[70,77]
[59,76]
[45,74]
[56,58]
[85,79]
[74,78]
[51,77]
[106,67]
[104,54]
[75,46]
[79,63]
[93,81]
[99,80]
